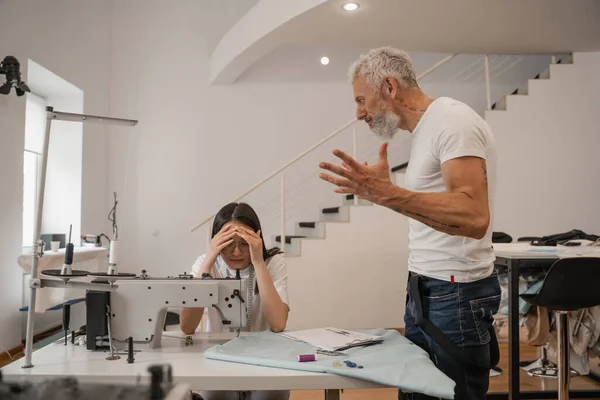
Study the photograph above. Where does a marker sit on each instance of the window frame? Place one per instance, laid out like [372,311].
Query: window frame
[28,221]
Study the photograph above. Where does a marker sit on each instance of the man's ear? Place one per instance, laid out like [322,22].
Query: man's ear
[390,86]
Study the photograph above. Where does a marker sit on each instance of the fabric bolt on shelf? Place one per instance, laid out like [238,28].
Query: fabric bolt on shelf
[396,362]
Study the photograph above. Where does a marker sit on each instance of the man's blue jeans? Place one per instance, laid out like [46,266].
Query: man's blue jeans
[464,313]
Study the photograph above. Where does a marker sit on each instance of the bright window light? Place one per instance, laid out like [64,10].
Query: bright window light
[324,60]
[350,6]
[35,129]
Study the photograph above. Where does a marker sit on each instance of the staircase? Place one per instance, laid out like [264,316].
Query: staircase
[524,90]
[548,143]
[352,269]
[341,213]
[316,229]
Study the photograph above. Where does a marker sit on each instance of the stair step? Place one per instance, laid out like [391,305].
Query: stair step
[500,104]
[566,59]
[349,201]
[314,230]
[288,238]
[400,167]
[336,214]
[292,244]
[523,90]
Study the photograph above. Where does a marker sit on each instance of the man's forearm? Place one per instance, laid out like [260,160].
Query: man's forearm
[451,213]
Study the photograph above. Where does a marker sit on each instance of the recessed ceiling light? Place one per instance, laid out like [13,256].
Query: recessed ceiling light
[350,6]
[324,60]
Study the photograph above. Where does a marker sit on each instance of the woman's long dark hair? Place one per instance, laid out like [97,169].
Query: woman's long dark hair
[243,213]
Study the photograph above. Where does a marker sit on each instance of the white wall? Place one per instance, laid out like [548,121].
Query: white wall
[356,276]
[72,39]
[548,145]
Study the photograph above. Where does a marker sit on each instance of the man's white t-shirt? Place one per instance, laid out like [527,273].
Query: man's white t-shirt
[258,322]
[449,129]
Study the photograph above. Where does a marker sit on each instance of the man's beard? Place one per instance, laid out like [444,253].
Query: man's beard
[385,124]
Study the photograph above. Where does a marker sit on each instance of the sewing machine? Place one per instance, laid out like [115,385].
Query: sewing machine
[161,388]
[138,307]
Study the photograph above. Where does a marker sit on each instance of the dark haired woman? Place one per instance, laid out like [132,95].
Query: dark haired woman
[237,244]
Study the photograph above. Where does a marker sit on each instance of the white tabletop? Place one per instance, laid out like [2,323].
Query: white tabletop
[188,364]
[522,250]
[86,258]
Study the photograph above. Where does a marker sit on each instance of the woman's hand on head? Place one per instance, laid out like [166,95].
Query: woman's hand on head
[254,242]
[221,240]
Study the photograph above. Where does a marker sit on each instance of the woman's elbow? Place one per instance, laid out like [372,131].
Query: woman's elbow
[278,329]
[187,327]
[279,326]
[189,319]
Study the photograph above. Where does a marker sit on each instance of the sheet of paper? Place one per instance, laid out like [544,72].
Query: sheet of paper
[332,338]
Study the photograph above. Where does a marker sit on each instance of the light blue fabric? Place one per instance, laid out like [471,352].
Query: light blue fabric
[524,306]
[396,362]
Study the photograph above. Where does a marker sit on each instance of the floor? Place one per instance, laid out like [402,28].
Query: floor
[497,383]
[47,339]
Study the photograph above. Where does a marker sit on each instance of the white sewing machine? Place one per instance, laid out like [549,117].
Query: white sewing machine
[160,387]
[137,308]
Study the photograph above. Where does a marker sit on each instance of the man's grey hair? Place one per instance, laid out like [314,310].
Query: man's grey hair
[378,63]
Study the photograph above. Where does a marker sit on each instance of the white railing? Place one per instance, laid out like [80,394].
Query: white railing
[301,199]
[488,93]
[305,153]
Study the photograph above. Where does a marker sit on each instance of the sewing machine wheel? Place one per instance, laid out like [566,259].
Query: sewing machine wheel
[113,277]
[56,273]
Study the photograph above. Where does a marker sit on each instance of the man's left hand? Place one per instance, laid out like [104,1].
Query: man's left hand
[371,183]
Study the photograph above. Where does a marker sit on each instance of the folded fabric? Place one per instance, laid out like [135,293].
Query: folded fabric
[396,362]
[524,306]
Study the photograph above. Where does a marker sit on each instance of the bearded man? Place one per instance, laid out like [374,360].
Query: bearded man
[448,195]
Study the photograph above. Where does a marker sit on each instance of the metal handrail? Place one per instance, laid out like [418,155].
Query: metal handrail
[293,161]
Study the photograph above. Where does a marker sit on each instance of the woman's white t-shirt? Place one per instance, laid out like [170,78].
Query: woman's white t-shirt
[258,322]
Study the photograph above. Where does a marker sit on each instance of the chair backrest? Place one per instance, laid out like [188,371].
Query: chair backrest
[571,284]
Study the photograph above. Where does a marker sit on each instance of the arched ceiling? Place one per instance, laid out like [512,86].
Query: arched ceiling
[457,26]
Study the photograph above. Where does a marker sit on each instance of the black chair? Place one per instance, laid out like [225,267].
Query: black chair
[571,284]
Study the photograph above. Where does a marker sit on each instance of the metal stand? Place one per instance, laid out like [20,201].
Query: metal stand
[38,245]
[113,273]
[564,367]
[546,368]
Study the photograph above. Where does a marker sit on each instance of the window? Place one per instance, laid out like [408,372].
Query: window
[35,125]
